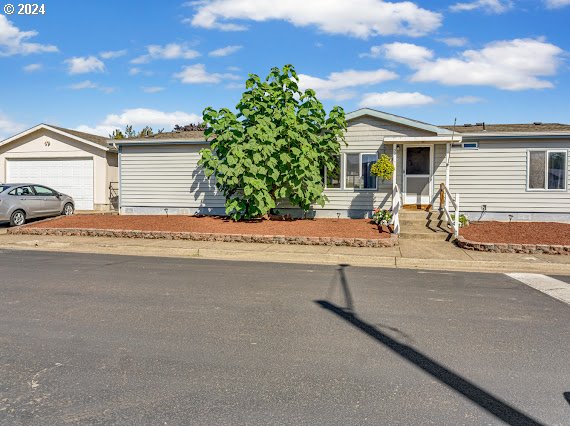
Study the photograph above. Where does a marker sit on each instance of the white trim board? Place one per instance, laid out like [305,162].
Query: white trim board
[52,129]
[397,119]
[547,285]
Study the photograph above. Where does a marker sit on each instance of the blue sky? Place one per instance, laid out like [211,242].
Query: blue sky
[96,65]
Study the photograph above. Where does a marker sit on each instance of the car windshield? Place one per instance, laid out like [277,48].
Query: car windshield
[3,188]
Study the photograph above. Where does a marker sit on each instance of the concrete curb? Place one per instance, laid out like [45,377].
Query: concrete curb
[208,237]
[295,257]
[463,243]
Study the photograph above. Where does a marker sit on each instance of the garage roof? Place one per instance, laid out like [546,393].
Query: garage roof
[86,138]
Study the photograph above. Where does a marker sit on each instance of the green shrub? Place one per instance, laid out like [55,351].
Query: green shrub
[381,216]
[383,168]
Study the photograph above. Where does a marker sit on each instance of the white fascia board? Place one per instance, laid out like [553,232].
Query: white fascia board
[127,141]
[526,135]
[420,139]
[44,126]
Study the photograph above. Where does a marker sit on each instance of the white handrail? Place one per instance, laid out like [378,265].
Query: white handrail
[454,222]
[396,203]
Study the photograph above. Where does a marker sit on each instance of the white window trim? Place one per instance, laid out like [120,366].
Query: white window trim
[360,154]
[547,151]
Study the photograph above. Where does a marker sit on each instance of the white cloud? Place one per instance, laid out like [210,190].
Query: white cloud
[374,52]
[84,64]
[152,89]
[13,40]
[31,68]
[337,85]
[454,41]
[468,100]
[88,84]
[197,74]
[488,6]
[9,127]
[405,53]
[112,54]
[139,118]
[225,51]
[395,99]
[168,51]
[509,64]
[356,18]
[555,4]
[235,85]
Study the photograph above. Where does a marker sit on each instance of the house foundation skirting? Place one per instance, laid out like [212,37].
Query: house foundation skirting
[517,216]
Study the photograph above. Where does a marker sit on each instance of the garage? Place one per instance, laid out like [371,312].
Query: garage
[80,164]
[68,176]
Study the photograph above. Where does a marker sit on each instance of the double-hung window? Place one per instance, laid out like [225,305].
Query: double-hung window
[332,176]
[357,171]
[547,170]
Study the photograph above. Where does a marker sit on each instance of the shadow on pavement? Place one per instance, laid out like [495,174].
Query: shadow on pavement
[485,400]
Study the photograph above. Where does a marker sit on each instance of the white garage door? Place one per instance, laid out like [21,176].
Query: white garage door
[68,176]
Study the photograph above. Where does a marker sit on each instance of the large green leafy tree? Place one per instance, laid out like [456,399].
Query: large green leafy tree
[274,148]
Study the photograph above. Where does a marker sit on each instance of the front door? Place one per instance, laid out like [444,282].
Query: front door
[417,175]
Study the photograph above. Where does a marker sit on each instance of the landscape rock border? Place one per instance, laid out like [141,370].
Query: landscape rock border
[209,237]
[462,242]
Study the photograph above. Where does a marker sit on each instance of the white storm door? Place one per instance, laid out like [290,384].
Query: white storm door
[417,175]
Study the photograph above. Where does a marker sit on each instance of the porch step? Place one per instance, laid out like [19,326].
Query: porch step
[424,225]
[429,235]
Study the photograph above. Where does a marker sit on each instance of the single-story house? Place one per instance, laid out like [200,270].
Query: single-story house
[75,163]
[499,171]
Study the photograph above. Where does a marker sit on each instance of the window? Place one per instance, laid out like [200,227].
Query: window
[547,170]
[357,170]
[43,191]
[21,191]
[470,145]
[366,161]
[332,176]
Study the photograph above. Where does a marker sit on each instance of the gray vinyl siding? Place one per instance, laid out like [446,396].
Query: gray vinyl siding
[366,135]
[496,175]
[166,176]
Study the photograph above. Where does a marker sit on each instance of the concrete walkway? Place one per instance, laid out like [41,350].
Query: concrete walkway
[417,254]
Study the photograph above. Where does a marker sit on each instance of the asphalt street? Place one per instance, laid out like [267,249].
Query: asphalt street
[101,339]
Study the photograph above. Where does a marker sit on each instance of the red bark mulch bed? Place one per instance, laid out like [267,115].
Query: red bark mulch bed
[344,228]
[533,233]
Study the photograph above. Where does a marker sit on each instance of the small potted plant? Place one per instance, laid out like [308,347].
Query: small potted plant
[382,217]
[383,168]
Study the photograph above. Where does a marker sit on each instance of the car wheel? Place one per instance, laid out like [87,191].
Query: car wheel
[68,209]
[17,218]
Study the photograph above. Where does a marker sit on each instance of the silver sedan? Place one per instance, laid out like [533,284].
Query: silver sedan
[19,202]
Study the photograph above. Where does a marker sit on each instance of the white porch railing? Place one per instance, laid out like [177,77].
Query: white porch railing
[396,204]
[447,198]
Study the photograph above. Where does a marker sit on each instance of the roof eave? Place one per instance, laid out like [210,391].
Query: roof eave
[52,129]
[159,141]
[515,135]
[397,119]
